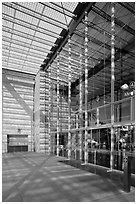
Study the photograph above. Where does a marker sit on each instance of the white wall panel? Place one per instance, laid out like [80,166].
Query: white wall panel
[17,106]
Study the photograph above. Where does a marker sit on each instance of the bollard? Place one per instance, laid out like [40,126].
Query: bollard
[127,173]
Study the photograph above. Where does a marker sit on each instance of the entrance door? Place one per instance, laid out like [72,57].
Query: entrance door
[17,143]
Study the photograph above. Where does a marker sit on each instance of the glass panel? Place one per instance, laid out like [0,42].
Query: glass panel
[80,120]
[92,118]
[105,114]
[124,142]
[99,148]
[122,111]
[133,109]
[83,144]
[105,138]
[73,121]
[83,119]
[73,145]
[125,111]
[103,158]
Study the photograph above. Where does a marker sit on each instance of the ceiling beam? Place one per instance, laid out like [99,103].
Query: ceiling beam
[21,58]
[29,25]
[60,7]
[117,21]
[126,80]
[94,40]
[10,72]
[125,5]
[15,50]
[57,10]
[28,36]
[39,13]
[100,66]
[32,15]
[27,45]
[15,62]
[79,12]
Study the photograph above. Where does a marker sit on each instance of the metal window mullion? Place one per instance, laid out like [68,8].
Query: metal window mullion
[86,87]
[58,104]
[76,121]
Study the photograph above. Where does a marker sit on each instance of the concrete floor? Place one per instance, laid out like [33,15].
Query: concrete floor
[33,177]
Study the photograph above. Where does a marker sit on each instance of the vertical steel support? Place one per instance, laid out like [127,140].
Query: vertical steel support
[131,109]
[86,86]
[69,100]
[58,104]
[97,116]
[112,81]
[76,121]
[49,111]
[52,119]
[80,109]
[33,145]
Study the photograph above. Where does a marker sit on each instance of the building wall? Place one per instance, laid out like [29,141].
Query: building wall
[17,106]
[63,109]
[41,112]
[37,113]
[44,97]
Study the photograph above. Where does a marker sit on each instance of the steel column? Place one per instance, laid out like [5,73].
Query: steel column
[86,86]
[112,81]
[97,116]
[80,108]
[69,100]
[58,104]
[86,6]
[49,111]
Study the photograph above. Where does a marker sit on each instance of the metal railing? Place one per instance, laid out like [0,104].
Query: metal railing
[124,110]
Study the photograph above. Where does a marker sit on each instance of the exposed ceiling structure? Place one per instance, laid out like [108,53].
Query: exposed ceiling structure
[30,30]
[34,32]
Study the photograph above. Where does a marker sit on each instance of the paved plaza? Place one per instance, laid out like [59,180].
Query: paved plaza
[33,177]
